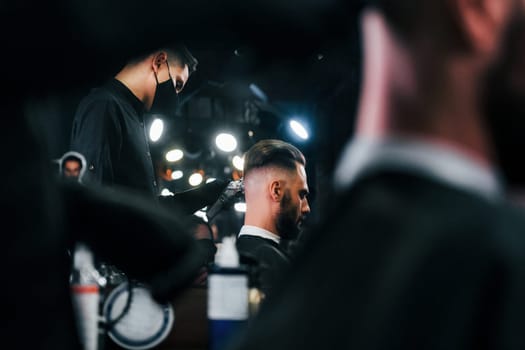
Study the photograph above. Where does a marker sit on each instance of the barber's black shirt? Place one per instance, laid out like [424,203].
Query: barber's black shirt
[108,129]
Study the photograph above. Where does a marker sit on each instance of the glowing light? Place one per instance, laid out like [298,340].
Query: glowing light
[155,131]
[195,179]
[174,155]
[238,162]
[258,92]
[177,174]
[165,192]
[211,179]
[299,129]
[201,214]
[240,207]
[226,142]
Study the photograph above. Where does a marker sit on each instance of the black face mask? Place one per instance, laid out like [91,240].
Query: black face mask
[166,100]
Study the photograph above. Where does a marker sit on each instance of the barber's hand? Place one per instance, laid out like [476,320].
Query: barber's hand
[233,190]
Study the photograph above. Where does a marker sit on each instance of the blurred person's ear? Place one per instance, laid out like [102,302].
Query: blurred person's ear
[159,59]
[482,22]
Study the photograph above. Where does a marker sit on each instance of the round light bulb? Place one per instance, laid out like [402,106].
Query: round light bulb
[155,131]
[177,174]
[174,155]
[226,142]
[238,162]
[299,129]
[195,179]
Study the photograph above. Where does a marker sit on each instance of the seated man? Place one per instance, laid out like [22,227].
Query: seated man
[275,189]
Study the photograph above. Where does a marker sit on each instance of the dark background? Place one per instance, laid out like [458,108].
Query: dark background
[304,55]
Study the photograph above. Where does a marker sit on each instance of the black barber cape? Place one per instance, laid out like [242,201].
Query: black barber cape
[271,263]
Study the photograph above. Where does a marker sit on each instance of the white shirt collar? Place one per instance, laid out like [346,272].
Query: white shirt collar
[440,162]
[248,230]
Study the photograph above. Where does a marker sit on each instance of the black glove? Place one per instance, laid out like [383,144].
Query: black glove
[188,202]
[234,190]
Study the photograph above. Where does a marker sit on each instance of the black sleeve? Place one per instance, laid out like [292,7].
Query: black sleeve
[96,133]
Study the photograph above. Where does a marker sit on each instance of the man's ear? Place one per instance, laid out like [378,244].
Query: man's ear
[276,190]
[482,21]
[158,60]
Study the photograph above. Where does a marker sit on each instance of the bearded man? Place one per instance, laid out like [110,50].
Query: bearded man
[276,192]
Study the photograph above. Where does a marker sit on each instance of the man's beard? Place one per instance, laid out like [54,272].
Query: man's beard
[504,98]
[287,225]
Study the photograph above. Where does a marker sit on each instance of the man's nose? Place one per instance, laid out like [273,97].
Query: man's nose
[306,207]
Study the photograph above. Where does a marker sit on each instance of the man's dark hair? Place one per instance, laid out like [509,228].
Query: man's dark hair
[176,52]
[183,56]
[72,158]
[272,153]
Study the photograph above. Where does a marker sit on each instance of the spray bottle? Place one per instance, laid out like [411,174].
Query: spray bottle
[228,306]
[86,296]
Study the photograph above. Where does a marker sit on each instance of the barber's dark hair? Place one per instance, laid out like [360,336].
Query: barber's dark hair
[270,152]
[183,56]
[177,52]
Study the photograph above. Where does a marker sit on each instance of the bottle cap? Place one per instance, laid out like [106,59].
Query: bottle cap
[227,255]
[83,257]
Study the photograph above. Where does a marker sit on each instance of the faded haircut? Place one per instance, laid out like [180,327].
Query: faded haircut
[272,153]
